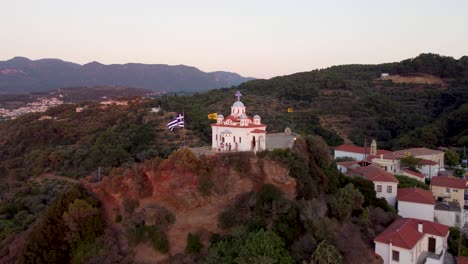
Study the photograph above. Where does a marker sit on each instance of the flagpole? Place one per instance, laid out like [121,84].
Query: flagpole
[183,132]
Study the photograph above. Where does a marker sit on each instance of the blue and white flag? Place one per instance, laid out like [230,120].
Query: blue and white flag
[178,121]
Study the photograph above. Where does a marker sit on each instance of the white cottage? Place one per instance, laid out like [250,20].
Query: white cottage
[384,182]
[238,131]
[416,203]
[412,241]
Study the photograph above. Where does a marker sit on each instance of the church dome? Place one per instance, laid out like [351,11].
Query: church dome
[256,116]
[237,104]
[220,116]
[243,116]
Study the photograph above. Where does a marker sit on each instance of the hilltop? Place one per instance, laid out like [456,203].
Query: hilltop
[20,75]
[423,102]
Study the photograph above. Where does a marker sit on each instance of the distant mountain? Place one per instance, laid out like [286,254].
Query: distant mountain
[24,75]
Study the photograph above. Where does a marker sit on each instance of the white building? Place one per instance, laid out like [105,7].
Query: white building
[384,182]
[449,214]
[384,75]
[357,152]
[412,241]
[388,161]
[428,168]
[238,131]
[416,203]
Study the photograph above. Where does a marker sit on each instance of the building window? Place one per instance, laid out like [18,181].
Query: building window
[455,190]
[447,190]
[395,255]
[389,189]
[455,200]
[240,140]
[216,137]
[234,139]
[457,218]
[379,188]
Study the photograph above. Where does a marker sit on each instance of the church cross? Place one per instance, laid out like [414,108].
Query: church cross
[238,95]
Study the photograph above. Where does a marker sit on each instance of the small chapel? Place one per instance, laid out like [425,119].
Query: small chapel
[238,131]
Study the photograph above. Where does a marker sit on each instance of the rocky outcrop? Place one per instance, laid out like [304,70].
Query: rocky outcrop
[195,190]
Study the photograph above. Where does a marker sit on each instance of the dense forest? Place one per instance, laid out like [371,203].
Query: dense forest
[42,161]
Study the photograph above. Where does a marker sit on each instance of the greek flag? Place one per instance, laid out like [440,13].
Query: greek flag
[178,121]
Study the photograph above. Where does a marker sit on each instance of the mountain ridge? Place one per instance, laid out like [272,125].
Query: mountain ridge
[21,74]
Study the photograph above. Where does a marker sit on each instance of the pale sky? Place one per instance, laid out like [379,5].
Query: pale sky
[259,38]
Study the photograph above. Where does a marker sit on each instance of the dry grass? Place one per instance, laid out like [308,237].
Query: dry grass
[419,78]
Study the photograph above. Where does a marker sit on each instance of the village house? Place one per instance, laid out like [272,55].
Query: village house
[425,154]
[428,168]
[344,166]
[385,183]
[416,203]
[412,241]
[388,162]
[449,214]
[449,189]
[357,152]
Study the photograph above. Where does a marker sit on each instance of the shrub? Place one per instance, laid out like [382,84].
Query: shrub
[118,218]
[130,205]
[194,244]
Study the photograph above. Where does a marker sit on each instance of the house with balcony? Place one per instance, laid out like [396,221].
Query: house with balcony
[450,189]
[412,241]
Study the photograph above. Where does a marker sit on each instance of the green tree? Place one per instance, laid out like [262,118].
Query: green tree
[406,182]
[410,162]
[326,254]
[263,247]
[345,201]
[451,158]
[194,244]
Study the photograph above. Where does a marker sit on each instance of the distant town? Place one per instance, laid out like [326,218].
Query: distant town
[40,105]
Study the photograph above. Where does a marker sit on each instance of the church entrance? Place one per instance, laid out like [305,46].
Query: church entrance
[253,143]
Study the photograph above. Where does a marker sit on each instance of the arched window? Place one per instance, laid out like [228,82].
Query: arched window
[234,139]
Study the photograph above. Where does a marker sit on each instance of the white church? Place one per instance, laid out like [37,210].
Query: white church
[238,131]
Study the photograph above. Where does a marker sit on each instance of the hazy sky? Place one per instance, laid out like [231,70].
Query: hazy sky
[254,38]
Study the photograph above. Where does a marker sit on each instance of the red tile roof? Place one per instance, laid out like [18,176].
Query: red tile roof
[237,125]
[387,156]
[417,152]
[257,131]
[403,232]
[375,174]
[462,260]
[427,162]
[358,149]
[415,195]
[448,181]
[419,175]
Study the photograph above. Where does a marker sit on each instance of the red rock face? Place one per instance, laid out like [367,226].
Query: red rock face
[175,184]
